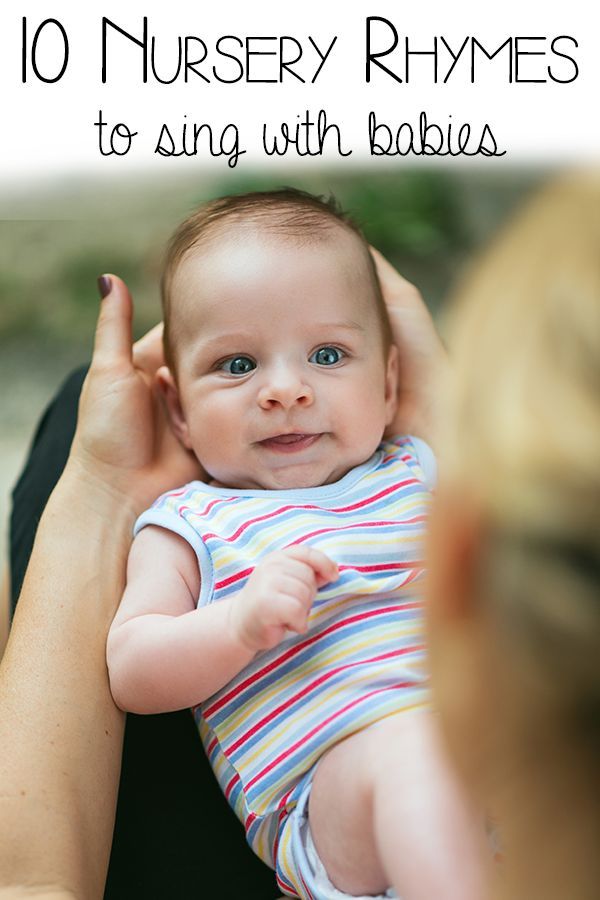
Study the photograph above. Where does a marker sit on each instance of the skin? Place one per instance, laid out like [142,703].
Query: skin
[257,301]
[57,809]
[424,365]
[58,795]
[283,382]
[507,739]
[288,421]
[4,609]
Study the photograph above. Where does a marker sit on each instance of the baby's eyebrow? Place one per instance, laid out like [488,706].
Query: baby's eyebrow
[211,342]
[347,326]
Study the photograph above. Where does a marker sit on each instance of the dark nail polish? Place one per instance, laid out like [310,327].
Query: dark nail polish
[104,286]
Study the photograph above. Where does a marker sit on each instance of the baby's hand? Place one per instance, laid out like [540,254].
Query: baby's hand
[278,596]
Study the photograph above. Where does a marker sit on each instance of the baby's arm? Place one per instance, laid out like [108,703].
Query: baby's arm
[164,653]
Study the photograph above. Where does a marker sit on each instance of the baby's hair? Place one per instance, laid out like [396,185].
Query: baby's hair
[526,435]
[287,212]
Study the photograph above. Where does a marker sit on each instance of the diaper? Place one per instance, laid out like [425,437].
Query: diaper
[300,872]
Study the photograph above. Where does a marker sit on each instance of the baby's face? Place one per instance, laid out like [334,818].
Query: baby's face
[283,381]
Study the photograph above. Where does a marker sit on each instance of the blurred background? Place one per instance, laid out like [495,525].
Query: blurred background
[55,241]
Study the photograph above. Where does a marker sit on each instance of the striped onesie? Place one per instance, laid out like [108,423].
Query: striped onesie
[362,658]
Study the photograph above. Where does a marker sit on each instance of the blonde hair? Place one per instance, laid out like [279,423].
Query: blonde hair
[525,430]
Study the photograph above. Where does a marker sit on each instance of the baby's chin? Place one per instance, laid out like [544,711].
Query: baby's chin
[291,478]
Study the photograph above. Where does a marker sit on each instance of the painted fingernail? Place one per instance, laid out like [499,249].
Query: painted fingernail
[104,286]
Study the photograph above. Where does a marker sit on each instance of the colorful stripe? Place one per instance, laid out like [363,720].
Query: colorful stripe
[362,658]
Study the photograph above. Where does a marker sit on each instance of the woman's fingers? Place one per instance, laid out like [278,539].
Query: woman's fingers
[398,293]
[423,360]
[393,284]
[112,343]
[148,351]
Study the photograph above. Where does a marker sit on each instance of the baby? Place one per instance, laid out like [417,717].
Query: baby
[281,597]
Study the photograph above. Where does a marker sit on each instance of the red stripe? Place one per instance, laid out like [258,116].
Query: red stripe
[305,886]
[202,511]
[311,534]
[381,567]
[163,499]
[279,759]
[283,802]
[384,567]
[412,578]
[230,786]
[212,503]
[293,651]
[231,579]
[326,676]
[384,493]
[277,512]
[282,816]
[285,886]
[270,515]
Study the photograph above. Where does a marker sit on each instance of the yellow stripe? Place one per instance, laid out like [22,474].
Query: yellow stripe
[307,671]
[309,711]
[322,657]
[268,799]
[264,538]
[224,556]
[284,855]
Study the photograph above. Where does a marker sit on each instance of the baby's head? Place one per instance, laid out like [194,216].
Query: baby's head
[281,371]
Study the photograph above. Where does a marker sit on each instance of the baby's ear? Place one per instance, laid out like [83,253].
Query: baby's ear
[168,388]
[391,384]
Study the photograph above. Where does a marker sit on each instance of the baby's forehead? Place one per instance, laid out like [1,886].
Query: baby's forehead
[244,252]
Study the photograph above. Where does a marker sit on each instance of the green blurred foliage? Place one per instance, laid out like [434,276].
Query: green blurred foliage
[416,214]
[428,223]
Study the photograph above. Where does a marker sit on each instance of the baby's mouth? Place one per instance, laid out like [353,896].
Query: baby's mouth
[290,443]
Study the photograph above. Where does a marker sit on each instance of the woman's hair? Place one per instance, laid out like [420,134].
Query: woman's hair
[526,433]
[288,213]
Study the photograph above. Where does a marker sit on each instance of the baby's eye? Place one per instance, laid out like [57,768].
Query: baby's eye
[326,356]
[237,365]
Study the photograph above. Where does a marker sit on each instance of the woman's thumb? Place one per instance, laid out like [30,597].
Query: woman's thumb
[112,343]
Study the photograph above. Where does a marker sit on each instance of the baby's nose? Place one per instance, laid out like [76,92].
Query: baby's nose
[286,389]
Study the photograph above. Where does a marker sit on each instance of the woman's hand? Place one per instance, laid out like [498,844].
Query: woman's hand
[123,441]
[58,796]
[423,362]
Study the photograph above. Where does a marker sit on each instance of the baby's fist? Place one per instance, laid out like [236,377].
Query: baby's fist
[279,594]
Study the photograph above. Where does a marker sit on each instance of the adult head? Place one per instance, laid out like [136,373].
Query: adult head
[515,553]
